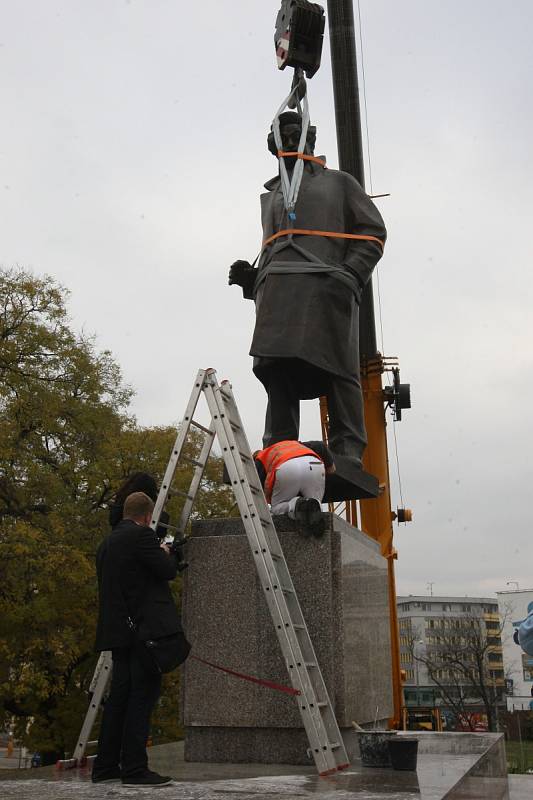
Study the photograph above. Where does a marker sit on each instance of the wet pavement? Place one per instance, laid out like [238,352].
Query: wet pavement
[521,787]
[435,777]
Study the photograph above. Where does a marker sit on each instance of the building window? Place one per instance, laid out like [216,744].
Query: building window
[527,667]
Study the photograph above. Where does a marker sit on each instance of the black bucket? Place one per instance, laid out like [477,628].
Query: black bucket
[403,752]
[374,749]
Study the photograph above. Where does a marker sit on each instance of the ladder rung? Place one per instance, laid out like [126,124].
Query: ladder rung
[180,493]
[245,456]
[334,745]
[287,590]
[311,664]
[194,461]
[322,704]
[202,427]
[299,627]
[168,527]
[264,521]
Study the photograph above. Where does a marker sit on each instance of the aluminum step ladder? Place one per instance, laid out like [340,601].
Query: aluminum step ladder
[315,707]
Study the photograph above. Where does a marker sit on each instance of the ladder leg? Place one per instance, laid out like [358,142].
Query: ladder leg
[314,703]
[175,456]
[197,478]
[103,669]
[99,683]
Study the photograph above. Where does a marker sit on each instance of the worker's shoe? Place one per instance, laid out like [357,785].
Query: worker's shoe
[315,519]
[106,775]
[308,516]
[147,778]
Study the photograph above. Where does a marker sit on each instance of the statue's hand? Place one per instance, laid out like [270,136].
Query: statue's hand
[238,272]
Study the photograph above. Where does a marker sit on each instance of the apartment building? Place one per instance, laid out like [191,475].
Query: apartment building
[428,624]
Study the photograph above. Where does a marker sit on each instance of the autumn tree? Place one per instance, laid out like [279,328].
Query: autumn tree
[66,443]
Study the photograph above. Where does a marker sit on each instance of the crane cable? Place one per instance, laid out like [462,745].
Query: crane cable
[377,267]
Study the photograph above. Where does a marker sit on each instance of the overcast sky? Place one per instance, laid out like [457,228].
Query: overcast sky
[132,154]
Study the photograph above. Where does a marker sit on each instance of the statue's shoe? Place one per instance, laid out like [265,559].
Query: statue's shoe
[349,481]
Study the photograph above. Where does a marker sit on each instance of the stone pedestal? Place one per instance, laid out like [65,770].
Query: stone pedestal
[341,582]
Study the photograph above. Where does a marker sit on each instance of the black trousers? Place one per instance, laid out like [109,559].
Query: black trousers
[126,717]
[347,434]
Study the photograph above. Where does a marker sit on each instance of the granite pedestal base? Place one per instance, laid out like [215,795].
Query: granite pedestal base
[341,582]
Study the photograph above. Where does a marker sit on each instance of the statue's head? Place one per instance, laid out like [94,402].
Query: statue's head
[290,126]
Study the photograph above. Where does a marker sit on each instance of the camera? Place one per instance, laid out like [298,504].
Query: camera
[176,548]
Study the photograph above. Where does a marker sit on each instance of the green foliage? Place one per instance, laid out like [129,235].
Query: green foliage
[66,445]
[519,756]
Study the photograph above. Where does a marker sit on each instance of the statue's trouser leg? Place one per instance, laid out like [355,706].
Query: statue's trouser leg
[347,434]
[298,477]
[283,411]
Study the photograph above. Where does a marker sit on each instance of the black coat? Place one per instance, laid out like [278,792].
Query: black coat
[133,575]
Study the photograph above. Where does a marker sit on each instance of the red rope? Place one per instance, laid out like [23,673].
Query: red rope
[278,687]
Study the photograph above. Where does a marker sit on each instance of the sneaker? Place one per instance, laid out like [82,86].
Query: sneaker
[308,517]
[147,778]
[106,775]
[315,520]
[300,516]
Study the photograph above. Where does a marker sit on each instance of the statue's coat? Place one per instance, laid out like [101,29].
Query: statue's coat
[307,309]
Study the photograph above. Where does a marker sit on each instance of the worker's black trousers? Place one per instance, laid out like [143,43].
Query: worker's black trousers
[126,717]
[347,435]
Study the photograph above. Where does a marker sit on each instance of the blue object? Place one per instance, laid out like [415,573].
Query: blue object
[525,635]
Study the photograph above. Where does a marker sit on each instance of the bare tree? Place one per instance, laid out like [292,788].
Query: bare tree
[458,661]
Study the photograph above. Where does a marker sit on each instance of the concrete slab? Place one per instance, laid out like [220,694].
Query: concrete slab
[521,787]
[439,775]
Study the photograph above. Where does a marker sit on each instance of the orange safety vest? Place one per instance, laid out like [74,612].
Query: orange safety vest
[277,454]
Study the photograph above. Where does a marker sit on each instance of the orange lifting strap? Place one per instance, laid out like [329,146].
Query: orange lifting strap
[303,232]
[304,157]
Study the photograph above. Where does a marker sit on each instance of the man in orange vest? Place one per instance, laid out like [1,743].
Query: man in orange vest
[293,475]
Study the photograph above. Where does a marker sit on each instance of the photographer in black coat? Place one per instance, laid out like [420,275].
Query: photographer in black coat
[133,574]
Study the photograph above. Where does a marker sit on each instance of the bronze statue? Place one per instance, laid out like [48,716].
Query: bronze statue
[307,288]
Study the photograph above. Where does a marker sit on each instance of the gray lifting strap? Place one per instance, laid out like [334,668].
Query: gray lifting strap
[291,186]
